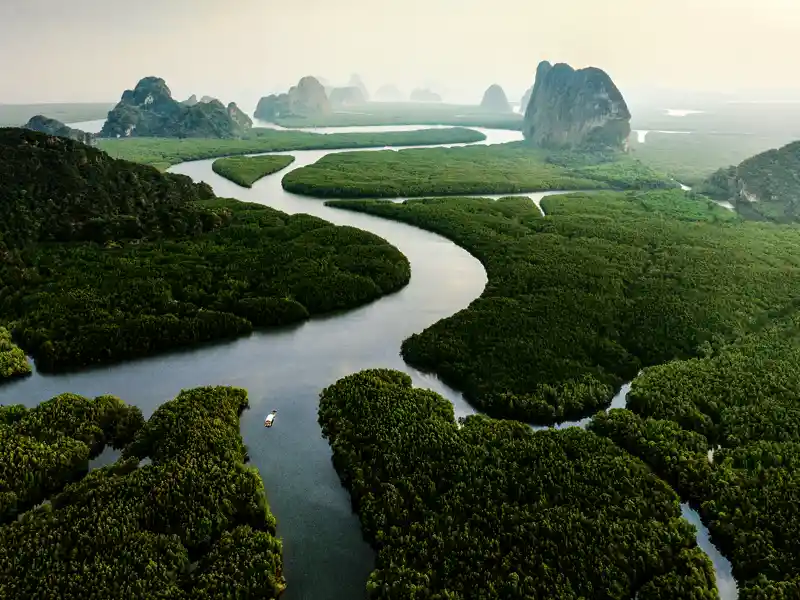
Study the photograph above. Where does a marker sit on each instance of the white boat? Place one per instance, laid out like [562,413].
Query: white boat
[270,418]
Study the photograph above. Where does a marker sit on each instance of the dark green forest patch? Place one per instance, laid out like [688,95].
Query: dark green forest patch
[490,509]
[741,400]
[72,305]
[103,260]
[194,523]
[246,170]
[578,301]
[13,362]
[495,169]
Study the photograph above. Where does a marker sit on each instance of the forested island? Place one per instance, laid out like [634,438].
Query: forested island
[178,516]
[246,170]
[578,301]
[13,362]
[495,169]
[165,152]
[103,276]
[490,509]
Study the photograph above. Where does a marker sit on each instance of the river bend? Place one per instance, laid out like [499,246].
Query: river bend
[324,554]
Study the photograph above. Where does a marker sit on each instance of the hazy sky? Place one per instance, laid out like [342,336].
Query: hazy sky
[91,50]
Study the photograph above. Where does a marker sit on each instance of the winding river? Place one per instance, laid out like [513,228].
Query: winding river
[324,554]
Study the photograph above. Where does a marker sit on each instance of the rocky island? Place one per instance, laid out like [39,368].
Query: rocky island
[389,93]
[425,95]
[55,127]
[306,99]
[764,187]
[346,96]
[495,100]
[149,110]
[571,109]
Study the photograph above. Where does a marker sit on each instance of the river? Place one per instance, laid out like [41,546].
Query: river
[324,554]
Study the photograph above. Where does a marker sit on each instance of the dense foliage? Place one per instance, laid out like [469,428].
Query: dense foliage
[55,189]
[77,304]
[495,169]
[13,362]
[741,399]
[246,170]
[490,509]
[44,448]
[163,152]
[192,524]
[129,261]
[579,300]
[407,113]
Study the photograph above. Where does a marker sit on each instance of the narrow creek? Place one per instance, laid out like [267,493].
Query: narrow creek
[324,554]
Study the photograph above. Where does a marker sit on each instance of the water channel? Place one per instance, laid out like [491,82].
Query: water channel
[324,554]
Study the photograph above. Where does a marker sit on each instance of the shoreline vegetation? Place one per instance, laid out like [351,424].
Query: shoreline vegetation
[13,362]
[246,170]
[193,523]
[488,508]
[408,113]
[579,301]
[740,403]
[497,169]
[165,152]
[101,276]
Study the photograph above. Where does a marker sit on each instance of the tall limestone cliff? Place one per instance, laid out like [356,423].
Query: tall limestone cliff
[575,109]
[55,127]
[149,110]
[306,99]
[495,99]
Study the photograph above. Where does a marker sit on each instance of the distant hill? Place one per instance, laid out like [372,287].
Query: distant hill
[56,189]
[55,127]
[495,99]
[306,99]
[150,110]
[425,95]
[763,187]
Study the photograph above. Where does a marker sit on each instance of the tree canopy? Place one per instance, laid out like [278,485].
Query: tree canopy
[490,509]
[578,301]
[104,260]
[194,523]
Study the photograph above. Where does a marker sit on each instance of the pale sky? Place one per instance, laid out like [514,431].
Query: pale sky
[91,50]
